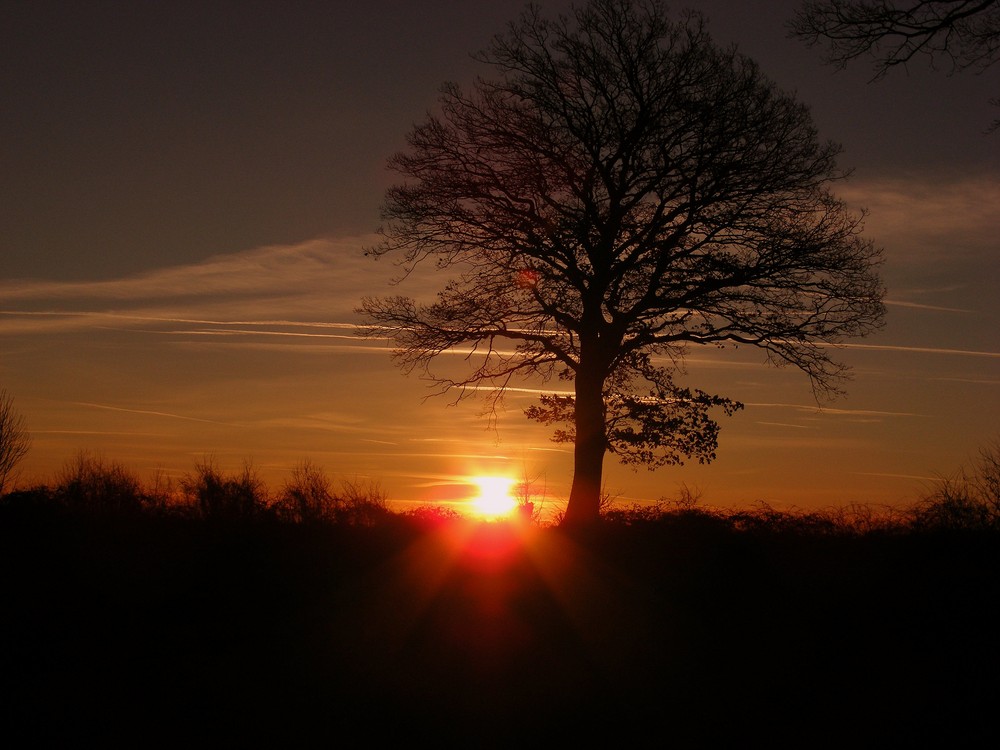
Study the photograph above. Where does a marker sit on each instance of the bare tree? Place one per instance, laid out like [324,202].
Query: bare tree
[964,33]
[14,438]
[622,189]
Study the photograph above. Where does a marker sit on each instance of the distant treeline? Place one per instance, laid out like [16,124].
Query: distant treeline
[92,486]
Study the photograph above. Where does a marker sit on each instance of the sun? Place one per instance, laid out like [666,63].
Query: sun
[494,499]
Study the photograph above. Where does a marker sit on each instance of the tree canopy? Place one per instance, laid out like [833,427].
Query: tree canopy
[963,33]
[621,189]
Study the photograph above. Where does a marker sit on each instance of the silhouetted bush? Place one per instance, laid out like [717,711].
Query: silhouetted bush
[969,500]
[90,484]
[764,518]
[683,515]
[29,500]
[861,519]
[432,516]
[306,497]
[362,503]
[220,497]
[529,494]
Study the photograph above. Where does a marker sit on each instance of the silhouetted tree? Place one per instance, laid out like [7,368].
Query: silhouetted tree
[621,189]
[965,33]
[90,484]
[14,438]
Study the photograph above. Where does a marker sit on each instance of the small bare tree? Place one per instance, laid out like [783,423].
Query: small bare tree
[14,438]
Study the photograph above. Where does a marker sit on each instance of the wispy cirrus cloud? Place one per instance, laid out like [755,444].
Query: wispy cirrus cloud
[920,306]
[940,239]
[310,290]
[813,409]
[916,349]
[147,412]
[333,265]
[930,215]
[303,288]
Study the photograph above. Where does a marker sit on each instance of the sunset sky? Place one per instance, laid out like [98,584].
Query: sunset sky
[186,189]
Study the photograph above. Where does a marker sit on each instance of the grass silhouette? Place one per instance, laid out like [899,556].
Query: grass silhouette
[137,615]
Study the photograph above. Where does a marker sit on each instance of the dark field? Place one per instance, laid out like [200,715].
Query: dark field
[683,630]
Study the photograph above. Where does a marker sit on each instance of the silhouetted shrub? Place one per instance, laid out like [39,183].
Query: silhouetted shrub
[361,503]
[988,476]
[860,519]
[645,513]
[28,501]
[764,518]
[953,505]
[160,495]
[965,501]
[530,494]
[307,497]
[682,515]
[89,484]
[217,496]
[432,516]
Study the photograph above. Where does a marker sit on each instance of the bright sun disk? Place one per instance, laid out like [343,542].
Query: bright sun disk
[494,498]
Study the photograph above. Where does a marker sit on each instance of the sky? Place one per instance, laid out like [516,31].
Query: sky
[186,190]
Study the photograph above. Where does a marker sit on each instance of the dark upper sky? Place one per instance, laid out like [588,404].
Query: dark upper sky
[137,135]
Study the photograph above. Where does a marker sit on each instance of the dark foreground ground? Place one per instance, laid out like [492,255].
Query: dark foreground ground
[155,632]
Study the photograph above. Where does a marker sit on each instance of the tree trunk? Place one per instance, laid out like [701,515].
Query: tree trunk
[584,504]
